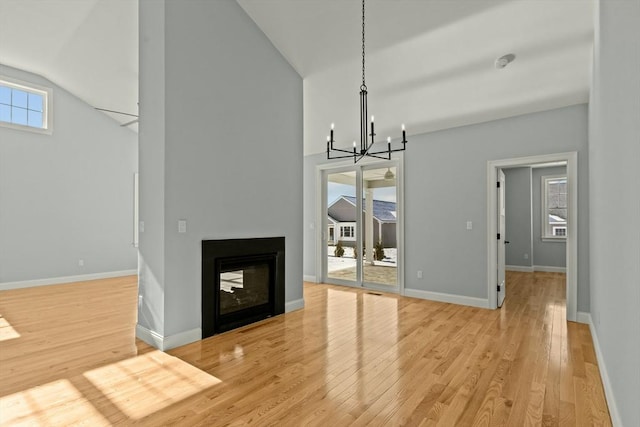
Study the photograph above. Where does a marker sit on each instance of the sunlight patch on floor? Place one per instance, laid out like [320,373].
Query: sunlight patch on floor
[148,383]
[6,330]
[51,404]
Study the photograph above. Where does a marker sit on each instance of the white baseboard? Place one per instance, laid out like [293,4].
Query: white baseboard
[583,317]
[167,343]
[523,268]
[65,279]
[294,305]
[604,375]
[308,278]
[549,269]
[450,298]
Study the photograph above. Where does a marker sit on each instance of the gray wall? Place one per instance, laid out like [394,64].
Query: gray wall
[454,259]
[518,217]
[151,57]
[233,146]
[614,152]
[66,196]
[545,253]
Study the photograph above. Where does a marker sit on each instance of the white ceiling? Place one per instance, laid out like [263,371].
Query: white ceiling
[88,47]
[429,62]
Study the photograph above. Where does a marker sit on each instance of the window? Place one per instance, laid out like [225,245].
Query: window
[347,232]
[24,106]
[554,207]
[559,231]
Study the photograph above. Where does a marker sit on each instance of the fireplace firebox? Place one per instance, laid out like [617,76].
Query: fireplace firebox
[242,282]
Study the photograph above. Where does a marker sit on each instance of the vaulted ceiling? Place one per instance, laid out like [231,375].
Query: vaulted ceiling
[430,63]
[88,47]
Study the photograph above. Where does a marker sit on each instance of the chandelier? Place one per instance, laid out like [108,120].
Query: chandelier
[366,146]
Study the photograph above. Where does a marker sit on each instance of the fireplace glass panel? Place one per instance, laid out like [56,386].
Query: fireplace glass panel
[245,287]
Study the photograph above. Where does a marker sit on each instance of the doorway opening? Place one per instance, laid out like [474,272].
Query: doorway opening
[361,222]
[495,246]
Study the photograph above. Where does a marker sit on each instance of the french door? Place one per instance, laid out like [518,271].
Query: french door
[361,225]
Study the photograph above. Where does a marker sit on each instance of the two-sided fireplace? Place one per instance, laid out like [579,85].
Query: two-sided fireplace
[242,282]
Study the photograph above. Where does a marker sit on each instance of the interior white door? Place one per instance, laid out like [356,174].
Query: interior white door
[502,292]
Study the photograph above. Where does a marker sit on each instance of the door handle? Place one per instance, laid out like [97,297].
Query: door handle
[506,242]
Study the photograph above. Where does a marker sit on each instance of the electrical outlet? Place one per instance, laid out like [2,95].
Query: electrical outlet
[419,274]
[182,226]
[141,227]
[81,262]
[469,225]
[139,300]
[526,256]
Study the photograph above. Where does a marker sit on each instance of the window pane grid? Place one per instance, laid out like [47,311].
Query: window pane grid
[21,107]
[555,207]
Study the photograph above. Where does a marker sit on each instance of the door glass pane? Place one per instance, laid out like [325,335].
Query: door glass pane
[379,218]
[341,224]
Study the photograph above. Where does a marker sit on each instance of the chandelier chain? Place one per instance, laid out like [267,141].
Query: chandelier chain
[363,83]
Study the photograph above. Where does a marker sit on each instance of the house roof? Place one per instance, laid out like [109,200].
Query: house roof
[382,211]
[555,219]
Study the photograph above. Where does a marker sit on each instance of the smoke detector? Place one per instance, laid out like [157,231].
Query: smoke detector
[503,61]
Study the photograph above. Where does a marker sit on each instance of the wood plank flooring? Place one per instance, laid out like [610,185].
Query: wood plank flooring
[68,356]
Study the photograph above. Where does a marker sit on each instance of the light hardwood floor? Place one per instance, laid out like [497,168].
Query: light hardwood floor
[68,356]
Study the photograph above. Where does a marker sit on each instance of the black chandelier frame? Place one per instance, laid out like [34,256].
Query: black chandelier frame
[365,146]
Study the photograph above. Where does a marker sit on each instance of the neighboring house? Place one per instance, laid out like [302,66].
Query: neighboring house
[342,222]
[558,225]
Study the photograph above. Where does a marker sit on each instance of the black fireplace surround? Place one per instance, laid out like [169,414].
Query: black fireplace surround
[252,285]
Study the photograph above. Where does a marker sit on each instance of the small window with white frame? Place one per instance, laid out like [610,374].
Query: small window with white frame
[554,207]
[25,106]
[348,232]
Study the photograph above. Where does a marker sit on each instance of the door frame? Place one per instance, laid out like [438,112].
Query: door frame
[571,158]
[501,195]
[322,223]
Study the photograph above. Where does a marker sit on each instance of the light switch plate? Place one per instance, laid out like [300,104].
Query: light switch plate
[182,226]
[469,225]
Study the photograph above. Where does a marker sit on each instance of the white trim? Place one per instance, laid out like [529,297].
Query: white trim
[163,343]
[296,304]
[152,338]
[522,268]
[182,338]
[65,279]
[549,269]
[321,210]
[583,317]
[450,298]
[47,114]
[604,374]
[309,278]
[572,223]
[544,214]
[556,239]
